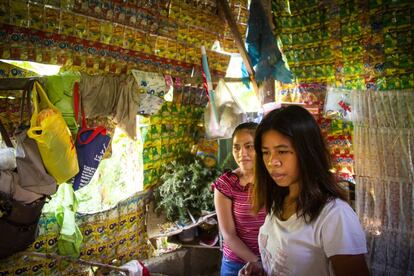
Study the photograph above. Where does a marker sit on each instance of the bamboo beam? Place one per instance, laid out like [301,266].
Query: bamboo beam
[267,91]
[60,258]
[235,79]
[267,88]
[224,7]
[14,83]
[5,136]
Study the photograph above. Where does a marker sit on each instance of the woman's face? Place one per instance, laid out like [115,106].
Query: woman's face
[243,150]
[280,159]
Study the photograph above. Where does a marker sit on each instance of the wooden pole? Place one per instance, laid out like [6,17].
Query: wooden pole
[15,83]
[224,7]
[267,89]
[60,258]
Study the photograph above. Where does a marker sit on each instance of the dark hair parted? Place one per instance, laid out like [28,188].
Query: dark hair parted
[249,126]
[317,183]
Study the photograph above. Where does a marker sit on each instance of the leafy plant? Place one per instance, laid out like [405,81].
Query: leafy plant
[186,186]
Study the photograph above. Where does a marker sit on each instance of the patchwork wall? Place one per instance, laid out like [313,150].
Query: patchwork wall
[350,44]
[167,135]
[366,47]
[118,233]
[114,36]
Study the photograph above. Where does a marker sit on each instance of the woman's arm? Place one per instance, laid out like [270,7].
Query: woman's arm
[228,229]
[354,265]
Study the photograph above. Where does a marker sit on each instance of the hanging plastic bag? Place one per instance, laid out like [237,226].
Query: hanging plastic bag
[7,159]
[30,166]
[52,135]
[10,182]
[18,225]
[59,89]
[91,145]
[70,237]
[229,112]
[29,162]
[20,210]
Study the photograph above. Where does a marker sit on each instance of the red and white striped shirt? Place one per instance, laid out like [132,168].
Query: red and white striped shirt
[246,223]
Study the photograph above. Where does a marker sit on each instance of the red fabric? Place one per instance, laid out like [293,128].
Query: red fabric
[145,271]
[76,101]
[205,86]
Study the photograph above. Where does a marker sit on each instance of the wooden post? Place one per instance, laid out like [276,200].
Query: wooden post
[224,7]
[60,258]
[267,89]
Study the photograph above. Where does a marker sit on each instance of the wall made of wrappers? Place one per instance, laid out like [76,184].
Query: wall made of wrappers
[344,44]
[118,233]
[115,37]
[362,53]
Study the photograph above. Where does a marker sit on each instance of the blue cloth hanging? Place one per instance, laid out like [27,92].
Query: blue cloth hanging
[262,48]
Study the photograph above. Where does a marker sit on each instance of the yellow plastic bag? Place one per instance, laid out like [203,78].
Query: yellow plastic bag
[53,138]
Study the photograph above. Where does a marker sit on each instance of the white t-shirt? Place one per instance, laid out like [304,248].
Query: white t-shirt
[293,247]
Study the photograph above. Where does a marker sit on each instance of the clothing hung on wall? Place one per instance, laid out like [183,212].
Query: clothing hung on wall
[114,96]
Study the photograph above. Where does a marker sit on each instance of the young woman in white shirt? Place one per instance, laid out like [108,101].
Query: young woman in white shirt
[310,229]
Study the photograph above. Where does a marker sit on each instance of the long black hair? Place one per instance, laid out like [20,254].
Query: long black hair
[317,183]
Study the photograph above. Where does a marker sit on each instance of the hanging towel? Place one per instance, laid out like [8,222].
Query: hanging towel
[127,106]
[151,87]
[114,96]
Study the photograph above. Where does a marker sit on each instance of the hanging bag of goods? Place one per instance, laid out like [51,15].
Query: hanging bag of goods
[52,135]
[91,145]
[59,89]
[29,162]
[20,210]
[18,224]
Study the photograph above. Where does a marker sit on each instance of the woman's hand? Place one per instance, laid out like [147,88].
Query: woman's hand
[252,269]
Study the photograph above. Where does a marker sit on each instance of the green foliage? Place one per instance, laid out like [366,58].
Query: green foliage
[186,186]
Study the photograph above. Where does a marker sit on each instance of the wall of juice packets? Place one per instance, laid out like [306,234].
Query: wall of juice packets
[346,44]
[117,36]
[115,234]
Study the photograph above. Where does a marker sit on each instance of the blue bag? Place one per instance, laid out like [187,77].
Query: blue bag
[91,145]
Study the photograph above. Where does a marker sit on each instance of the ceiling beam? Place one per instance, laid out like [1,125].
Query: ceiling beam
[14,83]
[228,16]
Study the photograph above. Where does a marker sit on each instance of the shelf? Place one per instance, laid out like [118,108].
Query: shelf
[178,229]
[191,244]
[158,226]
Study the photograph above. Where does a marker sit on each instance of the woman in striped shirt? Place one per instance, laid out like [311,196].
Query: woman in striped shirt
[238,225]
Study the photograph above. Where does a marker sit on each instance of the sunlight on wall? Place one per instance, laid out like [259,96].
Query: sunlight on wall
[39,68]
[117,177]
[245,95]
